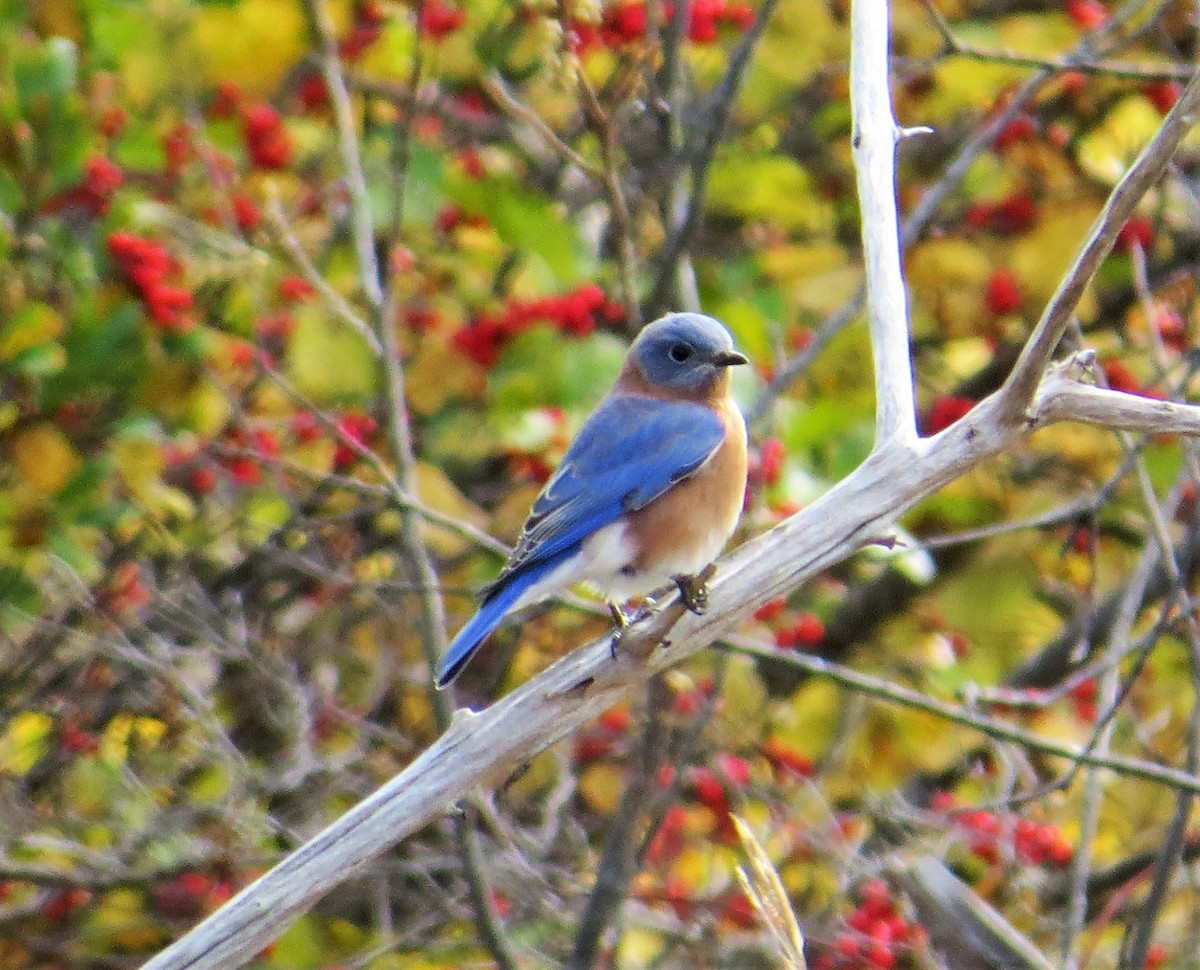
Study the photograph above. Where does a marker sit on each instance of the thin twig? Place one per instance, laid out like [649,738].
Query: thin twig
[606,132]
[701,155]
[1071,62]
[362,228]
[500,93]
[278,225]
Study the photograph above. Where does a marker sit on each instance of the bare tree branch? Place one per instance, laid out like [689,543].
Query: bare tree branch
[874,143]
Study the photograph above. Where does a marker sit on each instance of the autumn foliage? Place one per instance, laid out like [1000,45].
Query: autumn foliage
[295,296]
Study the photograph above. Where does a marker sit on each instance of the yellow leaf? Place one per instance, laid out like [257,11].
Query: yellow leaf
[254,42]
[58,18]
[601,786]
[769,187]
[437,492]
[139,462]
[1042,255]
[640,948]
[326,360]
[764,888]
[819,277]
[45,458]
[25,741]
[436,373]
[33,324]
[948,276]
[1109,148]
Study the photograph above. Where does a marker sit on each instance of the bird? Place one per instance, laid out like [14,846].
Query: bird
[648,493]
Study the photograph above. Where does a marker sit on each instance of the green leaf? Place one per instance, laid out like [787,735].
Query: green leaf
[541,368]
[530,224]
[327,361]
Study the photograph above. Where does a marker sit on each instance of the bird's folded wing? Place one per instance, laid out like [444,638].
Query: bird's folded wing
[630,451]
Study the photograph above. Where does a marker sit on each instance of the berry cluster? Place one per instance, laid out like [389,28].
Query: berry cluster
[801,631]
[147,265]
[766,463]
[876,936]
[368,24]
[990,837]
[189,895]
[575,314]
[605,738]
[93,195]
[356,427]
[625,23]
[807,633]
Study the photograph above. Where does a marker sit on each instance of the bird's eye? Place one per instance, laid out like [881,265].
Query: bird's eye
[679,353]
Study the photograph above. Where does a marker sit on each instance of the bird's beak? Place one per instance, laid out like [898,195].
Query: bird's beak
[730,358]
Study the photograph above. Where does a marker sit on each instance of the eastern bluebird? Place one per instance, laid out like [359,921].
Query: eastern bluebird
[647,494]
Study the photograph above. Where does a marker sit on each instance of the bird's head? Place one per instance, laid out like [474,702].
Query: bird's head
[685,353]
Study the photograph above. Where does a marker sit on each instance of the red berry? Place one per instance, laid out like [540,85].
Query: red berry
[112,121]
[295,289]
[668,840]
[809,630]
[1119,377]
[244,471]
[786,760]
[593,747]
[101,177]
[1087,14]
[846,946]
[623,24]
[1020,127]
[881,955]
[771,456]
[63,903]
[735,769]
[75,740]
[245,212]
[738,911]
[708,790]
[1156,956]
[770,609]
[616,719]
[1163,94]
[1137,231]
[1170,326]
[227,101]
[260,120]
[945,411]
[1014,214]
[686,703]
[1003,293]
[202,480]
[438,20]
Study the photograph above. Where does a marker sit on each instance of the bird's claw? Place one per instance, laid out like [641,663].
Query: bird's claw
[693,593]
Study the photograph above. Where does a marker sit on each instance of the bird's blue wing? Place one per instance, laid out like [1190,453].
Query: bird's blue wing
[631,450]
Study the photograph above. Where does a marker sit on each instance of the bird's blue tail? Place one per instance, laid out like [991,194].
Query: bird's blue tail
[491,614]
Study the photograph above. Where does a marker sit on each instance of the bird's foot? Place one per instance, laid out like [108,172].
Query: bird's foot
[621,621]
[693,592]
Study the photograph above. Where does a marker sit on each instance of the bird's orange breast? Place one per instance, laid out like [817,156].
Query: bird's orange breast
[686,527]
